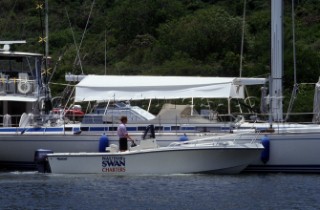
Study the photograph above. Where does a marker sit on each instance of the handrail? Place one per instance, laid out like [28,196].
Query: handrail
[18,86]
[217,139]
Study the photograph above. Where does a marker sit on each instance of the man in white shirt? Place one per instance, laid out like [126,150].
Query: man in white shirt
[123,134]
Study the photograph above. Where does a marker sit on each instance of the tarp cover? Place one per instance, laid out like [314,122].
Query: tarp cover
[110,87]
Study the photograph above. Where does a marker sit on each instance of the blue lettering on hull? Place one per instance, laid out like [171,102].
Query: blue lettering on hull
[113,164]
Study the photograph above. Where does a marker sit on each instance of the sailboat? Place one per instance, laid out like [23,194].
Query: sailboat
[289,147]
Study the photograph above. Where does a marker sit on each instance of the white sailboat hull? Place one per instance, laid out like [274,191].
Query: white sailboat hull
[298,152]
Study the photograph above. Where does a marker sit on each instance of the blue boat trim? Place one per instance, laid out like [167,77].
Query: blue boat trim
[98,129]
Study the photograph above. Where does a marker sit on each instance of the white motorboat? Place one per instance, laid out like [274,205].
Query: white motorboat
[197,156]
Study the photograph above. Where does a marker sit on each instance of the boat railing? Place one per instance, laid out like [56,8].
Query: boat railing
[294,117]
[9,120]
[18,87]
[113,115]
[221,139]
[25,120]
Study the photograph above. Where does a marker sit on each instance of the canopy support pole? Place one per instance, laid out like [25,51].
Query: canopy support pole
[149,105]
[192,106]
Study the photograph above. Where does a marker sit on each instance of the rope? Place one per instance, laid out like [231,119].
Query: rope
[292,99]
[74,40]
[242,36]
[295,85]
[54,83]
[11,11]
[85,29]
[294,43]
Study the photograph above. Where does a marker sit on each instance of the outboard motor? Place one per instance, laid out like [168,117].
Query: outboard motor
[149,132]
[41,161]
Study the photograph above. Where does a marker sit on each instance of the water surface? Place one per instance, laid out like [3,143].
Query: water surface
[31,190]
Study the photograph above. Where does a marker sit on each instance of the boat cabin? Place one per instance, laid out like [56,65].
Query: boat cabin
[21,85]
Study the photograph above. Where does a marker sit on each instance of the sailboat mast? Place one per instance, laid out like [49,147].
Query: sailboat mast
[47,100]
[276,108]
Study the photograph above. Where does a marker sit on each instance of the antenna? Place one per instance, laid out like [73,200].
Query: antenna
[6,44]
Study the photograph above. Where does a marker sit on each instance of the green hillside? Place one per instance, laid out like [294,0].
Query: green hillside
[168,37]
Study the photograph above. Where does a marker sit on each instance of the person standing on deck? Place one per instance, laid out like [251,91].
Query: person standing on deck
[123,134]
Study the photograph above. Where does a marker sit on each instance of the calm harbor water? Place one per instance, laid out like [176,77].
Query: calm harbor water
[31,190]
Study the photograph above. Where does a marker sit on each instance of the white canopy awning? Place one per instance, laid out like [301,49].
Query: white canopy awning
[111,87]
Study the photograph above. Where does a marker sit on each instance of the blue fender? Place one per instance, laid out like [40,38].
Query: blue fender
[184,138]
[265,154]
[103,143]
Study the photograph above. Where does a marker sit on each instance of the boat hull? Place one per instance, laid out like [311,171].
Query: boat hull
[156,161]
[291,152]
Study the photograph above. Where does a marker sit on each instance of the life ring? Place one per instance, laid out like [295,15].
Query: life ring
[24,87]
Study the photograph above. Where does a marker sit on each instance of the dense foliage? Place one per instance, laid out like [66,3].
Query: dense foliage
[167,37]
